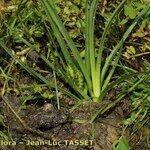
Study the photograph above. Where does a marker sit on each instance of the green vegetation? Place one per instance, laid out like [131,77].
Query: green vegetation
[78,50]
[97,76]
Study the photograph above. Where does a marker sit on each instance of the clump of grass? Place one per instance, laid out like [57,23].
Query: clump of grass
[97,76]
[84,73]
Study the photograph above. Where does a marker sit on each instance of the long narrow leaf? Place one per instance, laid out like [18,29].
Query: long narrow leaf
[111,72]
[119,80]
[52,13]
[52,66]
[101,47]
[89,43]
[119,45]
[60,41]
[35,74]
[120,97]
[89,34]
[63,73]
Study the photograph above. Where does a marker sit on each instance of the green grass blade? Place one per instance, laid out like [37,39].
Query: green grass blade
[111,72]
[58,69]
[63,74]
[101,47]
[51,13]
[35,74]
[87,51]
[89,44]
[89,34]
[60,40]
[119,80]
[53,48]
[120,44]
[113,104]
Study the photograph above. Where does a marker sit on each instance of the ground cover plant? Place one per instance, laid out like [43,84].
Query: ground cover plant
[73,67]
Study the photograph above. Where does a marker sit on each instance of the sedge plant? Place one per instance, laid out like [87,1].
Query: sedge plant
[87,76]
[97,77]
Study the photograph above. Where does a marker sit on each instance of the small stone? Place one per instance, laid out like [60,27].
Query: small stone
[48,107]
